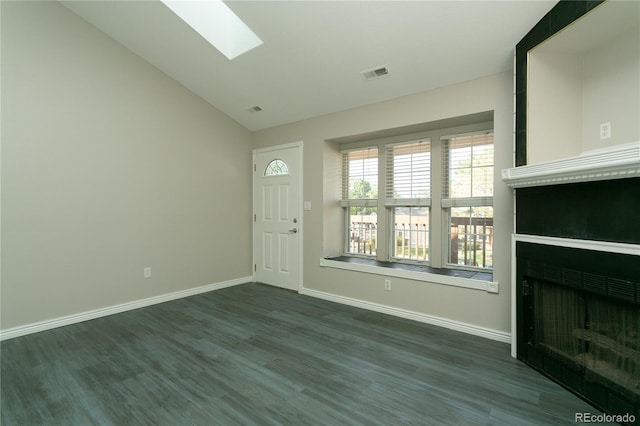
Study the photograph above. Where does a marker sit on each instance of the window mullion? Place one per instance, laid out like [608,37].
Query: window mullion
[383,217]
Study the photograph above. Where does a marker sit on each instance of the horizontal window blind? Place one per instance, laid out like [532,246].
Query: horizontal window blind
[360,175]
[468,166]
[467,202]
[408,173]
[359,203]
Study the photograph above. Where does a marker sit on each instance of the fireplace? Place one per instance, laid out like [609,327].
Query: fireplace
[576,281]
[576,246]
[579,321]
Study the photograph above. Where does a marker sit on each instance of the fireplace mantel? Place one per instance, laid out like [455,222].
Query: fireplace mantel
[616,162]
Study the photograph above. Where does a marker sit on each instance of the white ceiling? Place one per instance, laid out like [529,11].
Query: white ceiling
[314,51]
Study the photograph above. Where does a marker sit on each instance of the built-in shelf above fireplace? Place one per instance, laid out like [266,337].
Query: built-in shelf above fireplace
[616,162]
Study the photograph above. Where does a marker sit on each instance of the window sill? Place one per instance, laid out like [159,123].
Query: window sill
[453,277]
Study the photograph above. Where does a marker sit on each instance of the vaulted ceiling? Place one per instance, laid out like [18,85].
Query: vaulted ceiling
[314,51]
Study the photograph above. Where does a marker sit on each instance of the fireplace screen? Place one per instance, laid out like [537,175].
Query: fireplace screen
[596,336]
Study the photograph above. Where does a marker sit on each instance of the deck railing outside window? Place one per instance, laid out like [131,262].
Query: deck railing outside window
[363,237]
[411,241]
[472,241]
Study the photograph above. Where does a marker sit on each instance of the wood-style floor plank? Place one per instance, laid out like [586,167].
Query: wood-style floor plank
[254,354]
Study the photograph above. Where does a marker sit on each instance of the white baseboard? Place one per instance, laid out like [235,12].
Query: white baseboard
[475,330]
[110,310]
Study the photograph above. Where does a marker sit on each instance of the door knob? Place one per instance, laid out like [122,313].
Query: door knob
[293,231]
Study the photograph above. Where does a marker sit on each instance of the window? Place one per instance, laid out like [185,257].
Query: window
[360,200]
[468,199]
[276,168]
[435,201]
[408,197]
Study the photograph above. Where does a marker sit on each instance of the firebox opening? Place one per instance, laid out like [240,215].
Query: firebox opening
[599,339]
[579,321]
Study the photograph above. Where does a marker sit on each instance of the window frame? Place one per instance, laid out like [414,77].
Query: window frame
[448,202]
[347,203]
[392,202]
[439,226]
[276,167]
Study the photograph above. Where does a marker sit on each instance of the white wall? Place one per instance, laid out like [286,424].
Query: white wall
[322,229]
[108,166]
[571,93]
[554,106]
[611,91]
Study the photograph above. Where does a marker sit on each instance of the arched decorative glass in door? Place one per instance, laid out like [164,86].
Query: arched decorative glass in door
[276,168]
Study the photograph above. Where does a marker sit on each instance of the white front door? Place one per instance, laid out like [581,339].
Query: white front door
[277,235]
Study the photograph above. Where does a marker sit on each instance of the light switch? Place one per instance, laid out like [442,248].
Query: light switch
[307,205]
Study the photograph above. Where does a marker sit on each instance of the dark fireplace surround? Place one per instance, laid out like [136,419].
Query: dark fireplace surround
[577,305]
[578,310]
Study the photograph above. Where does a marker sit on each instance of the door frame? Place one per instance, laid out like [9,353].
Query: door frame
[299,210]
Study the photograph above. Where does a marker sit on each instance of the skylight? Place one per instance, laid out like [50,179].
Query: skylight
[214,21]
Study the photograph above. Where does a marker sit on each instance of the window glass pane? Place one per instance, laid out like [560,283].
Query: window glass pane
[468,162]
[362,230]
[409,170]
[482,178]
[460,183]
[276,168]
[483,152]
[471,236]
[360,174]
[411,233]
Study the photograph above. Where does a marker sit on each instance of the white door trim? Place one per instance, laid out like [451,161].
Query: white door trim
[299,209]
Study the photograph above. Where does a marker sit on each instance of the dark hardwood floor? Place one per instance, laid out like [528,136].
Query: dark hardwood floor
[254,354]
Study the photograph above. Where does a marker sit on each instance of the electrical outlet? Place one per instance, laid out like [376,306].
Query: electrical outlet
[147,272]
[493,287]
[605,130]
[387,285]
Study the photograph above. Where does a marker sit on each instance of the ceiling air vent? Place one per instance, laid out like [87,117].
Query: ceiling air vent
[375,73]
[255,108]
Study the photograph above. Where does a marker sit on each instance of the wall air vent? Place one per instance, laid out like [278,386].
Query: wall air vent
[375,73]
